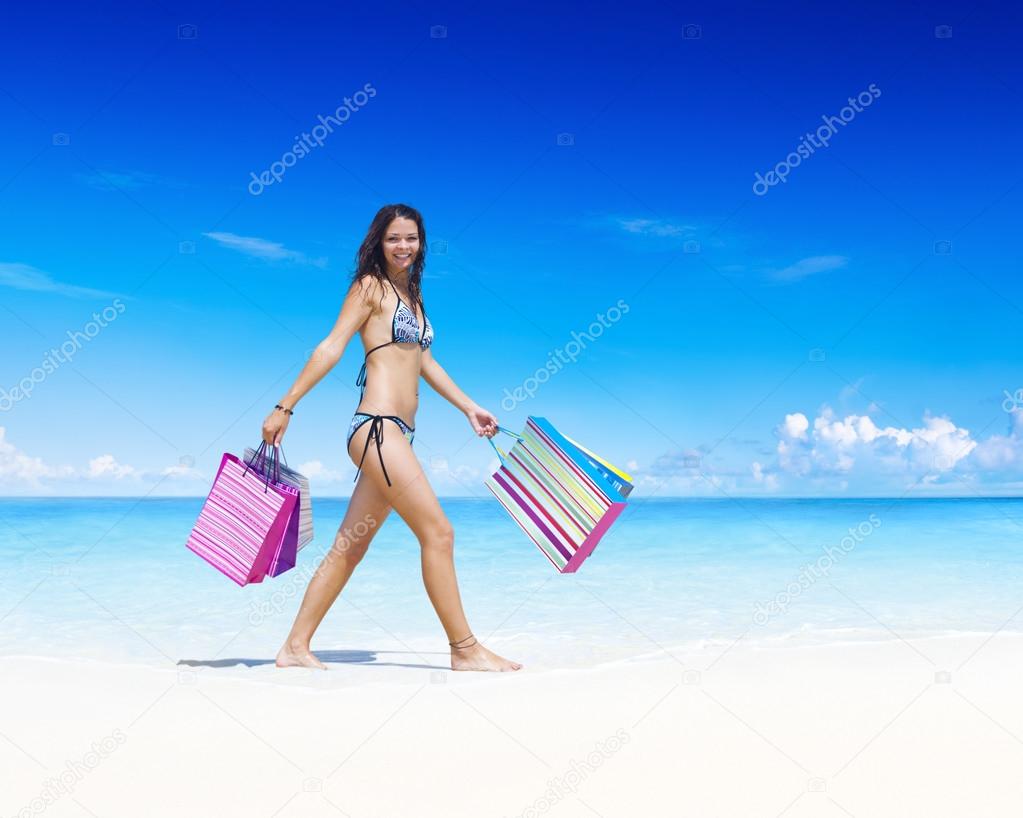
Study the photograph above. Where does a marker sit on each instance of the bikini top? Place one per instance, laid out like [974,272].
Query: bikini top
[404,330]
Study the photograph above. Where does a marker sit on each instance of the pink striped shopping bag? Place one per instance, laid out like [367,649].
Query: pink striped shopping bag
[563,496]
[243,522]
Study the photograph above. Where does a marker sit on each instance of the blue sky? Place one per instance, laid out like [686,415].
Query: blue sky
[851,331]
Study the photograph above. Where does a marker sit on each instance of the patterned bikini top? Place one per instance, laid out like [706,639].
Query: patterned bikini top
[405,325]
[404,330]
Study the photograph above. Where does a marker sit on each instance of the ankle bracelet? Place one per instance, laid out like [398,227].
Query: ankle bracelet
[456,646]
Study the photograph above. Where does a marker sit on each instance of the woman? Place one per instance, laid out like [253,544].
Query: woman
[384,304]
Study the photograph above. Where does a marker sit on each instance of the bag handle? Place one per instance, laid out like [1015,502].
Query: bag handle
[260,456]
[490,440]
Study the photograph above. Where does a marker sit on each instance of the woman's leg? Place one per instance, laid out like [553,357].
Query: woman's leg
[366,512]
[411,495]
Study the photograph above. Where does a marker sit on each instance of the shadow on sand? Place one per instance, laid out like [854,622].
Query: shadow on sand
[341,657]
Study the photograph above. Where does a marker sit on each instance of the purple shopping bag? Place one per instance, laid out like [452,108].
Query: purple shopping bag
[242,525]
[268,465]
[287,552]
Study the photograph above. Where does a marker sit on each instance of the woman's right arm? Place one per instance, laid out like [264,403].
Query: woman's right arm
[358,305]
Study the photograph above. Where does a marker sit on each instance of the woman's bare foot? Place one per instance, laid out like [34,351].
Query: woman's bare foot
[476,657]
[294,654]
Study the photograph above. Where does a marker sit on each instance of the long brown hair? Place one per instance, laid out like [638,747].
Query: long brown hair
[369,261]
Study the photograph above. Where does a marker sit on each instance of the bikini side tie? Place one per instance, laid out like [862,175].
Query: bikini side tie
[376,432]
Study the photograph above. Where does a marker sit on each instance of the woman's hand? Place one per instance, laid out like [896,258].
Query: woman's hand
[483,422]
[275,425]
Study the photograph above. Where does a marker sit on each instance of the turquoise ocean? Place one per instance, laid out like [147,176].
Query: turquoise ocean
[110,579]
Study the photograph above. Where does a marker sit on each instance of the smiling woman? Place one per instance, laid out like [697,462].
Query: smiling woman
[385,306]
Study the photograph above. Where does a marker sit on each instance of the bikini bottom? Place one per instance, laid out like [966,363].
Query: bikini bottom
[376,432]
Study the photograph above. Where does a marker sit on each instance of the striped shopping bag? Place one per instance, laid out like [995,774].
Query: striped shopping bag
[261,461]
[244,521]
[561,494]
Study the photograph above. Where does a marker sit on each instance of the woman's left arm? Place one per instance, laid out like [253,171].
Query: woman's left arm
[483,422]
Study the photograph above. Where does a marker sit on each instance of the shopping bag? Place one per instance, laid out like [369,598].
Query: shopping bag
[563,496]
[296,480]
[243,521]
[618,478]
[286,555]
[267,463]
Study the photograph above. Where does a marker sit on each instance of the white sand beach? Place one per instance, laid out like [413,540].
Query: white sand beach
[932,727]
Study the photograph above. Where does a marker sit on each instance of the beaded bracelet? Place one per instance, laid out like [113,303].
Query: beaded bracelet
[283,409]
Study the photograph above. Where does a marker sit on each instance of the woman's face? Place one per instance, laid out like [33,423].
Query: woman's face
[401,244]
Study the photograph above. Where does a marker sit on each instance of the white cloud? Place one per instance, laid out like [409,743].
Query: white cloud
[266,250]
[836,447]
[695,484]
[315,470]
[20,276]
[654,227]
[19,471]
[182,471]
[124,180]
[17,468]
[795,426]
[1003,452]
[808,267]
[768,480]
[106,466]
[462,474]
